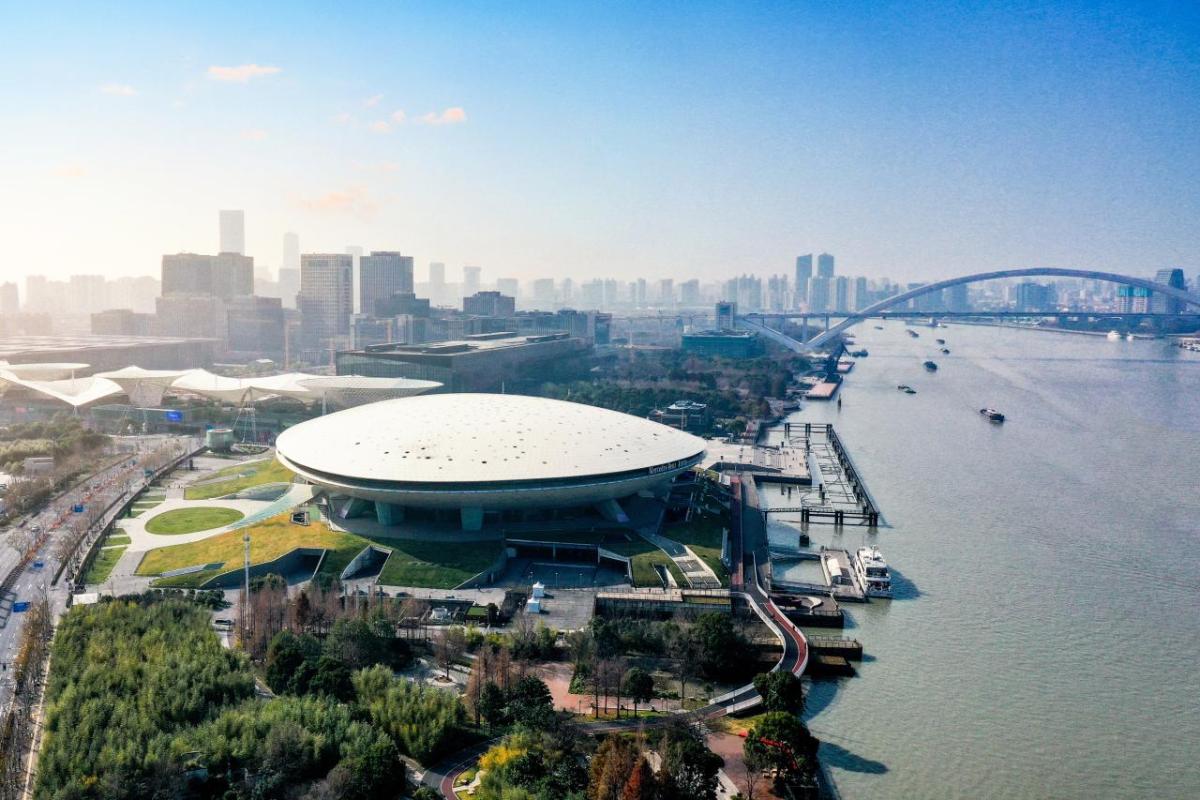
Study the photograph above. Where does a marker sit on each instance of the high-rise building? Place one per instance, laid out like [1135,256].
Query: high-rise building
[380,275]
[508,286]
[1133,300]
[326,302]
[726,316]
[860,294]
[543,293]
[1031,296]
[86,294]
[254,326]
[958,298]
[471,277]
[289,284]
[689,293]
[841,293]
[226,275]
[825,265]
[804,272]
[10,298]
[490,304]
[437,273]
[291,254]
[666,292]
[1161,303]
[818,293]
[233,231]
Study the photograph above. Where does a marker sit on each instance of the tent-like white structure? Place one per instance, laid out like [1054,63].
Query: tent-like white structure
[75,392]
[145,387]
[56,371]
[347,391]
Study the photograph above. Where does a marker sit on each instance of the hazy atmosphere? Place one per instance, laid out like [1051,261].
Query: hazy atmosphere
[560,139]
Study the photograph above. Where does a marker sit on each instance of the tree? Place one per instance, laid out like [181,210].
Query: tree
[715,640]
[611,767]
[641,785]
[638,685]
[285,655]
[781,691]
[449,647]
[492,705]
[689,768]
[684,650]
[780,741]
[331,678]
[530,702]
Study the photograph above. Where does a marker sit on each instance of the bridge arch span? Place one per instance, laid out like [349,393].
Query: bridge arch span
[1029,272]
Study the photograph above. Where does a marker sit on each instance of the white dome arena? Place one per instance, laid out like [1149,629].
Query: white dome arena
[480,452]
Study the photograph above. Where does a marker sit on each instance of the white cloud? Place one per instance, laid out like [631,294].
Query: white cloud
[119,89]
[398,117]
[242,73]
[354,200]
[449,116]
[254,135]
[380,126]
[373,100]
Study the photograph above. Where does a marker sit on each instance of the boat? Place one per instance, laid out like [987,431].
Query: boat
[940,341]
[878,327]
[911,333]
[859,353]
[904,387]
[932,367]
[1129,337]
[992,414]
[1113,336]
[873,572]
[945,351]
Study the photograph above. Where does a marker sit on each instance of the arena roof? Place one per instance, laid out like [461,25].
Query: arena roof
[482,439]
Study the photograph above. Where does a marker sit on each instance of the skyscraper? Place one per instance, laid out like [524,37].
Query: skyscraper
[291,251]
[380,275]
[841,293]
[1161,303]
[803,274]
[825,265]
[226,275]
[10,298]
[233,231]
[326,302]
[471,280]
[818,293]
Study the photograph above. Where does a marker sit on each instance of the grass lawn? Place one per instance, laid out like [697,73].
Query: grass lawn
[116,539]
[643,558]
[190,520]
[439,565]
[103,563]
[703,536]
[238,477]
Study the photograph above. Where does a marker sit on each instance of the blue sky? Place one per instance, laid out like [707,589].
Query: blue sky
[624,140]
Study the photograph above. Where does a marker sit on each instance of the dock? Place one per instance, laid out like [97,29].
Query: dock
[849,649]
[823,391]
[841,496]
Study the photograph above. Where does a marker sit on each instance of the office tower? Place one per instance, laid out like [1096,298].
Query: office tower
[543,292]
[825,265]
[1032,296]
[226,275]
[10,298]
[233,231]
[689,292]
[289,284]
[726,316]
[471,280]
[860,294]
[591,294]
[490,304]
[666,292]
[804,273]
[841,293]
[254,326]
[958,298]
[85,295]
[818,293]
[195,316]
[610,292]
[291,253]
[567,291]
[639,293]
[380,275]
[1161,303]
[508,286]
[326,302]
[1133,300]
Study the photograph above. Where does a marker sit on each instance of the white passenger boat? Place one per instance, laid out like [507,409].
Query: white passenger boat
[873,572]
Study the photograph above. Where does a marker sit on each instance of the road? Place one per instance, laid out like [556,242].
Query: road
[100,490]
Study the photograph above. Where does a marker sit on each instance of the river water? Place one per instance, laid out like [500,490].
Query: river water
[1046,637]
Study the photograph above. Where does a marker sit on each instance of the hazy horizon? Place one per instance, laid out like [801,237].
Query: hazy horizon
[675,142]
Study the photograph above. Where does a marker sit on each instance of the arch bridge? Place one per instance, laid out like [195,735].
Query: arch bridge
[875,309]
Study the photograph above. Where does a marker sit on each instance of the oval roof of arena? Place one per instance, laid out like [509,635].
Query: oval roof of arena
[476,438]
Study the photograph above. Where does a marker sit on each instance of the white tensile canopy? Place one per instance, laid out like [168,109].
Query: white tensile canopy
[75,392]
[145,387]
[43,372]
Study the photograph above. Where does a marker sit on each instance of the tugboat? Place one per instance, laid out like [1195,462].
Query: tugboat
[940,341]
[932,367]
[873,572]
[992,414]
[904,387]
[1113,336]
[945,351]
[911,332]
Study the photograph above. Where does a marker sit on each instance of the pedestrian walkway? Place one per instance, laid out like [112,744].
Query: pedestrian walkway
[698,574]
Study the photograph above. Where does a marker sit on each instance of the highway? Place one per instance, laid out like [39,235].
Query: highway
[52,523]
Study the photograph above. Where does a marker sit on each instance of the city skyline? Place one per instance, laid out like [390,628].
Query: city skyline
[515,140]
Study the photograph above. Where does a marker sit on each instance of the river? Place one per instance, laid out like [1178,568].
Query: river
[1046,640]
